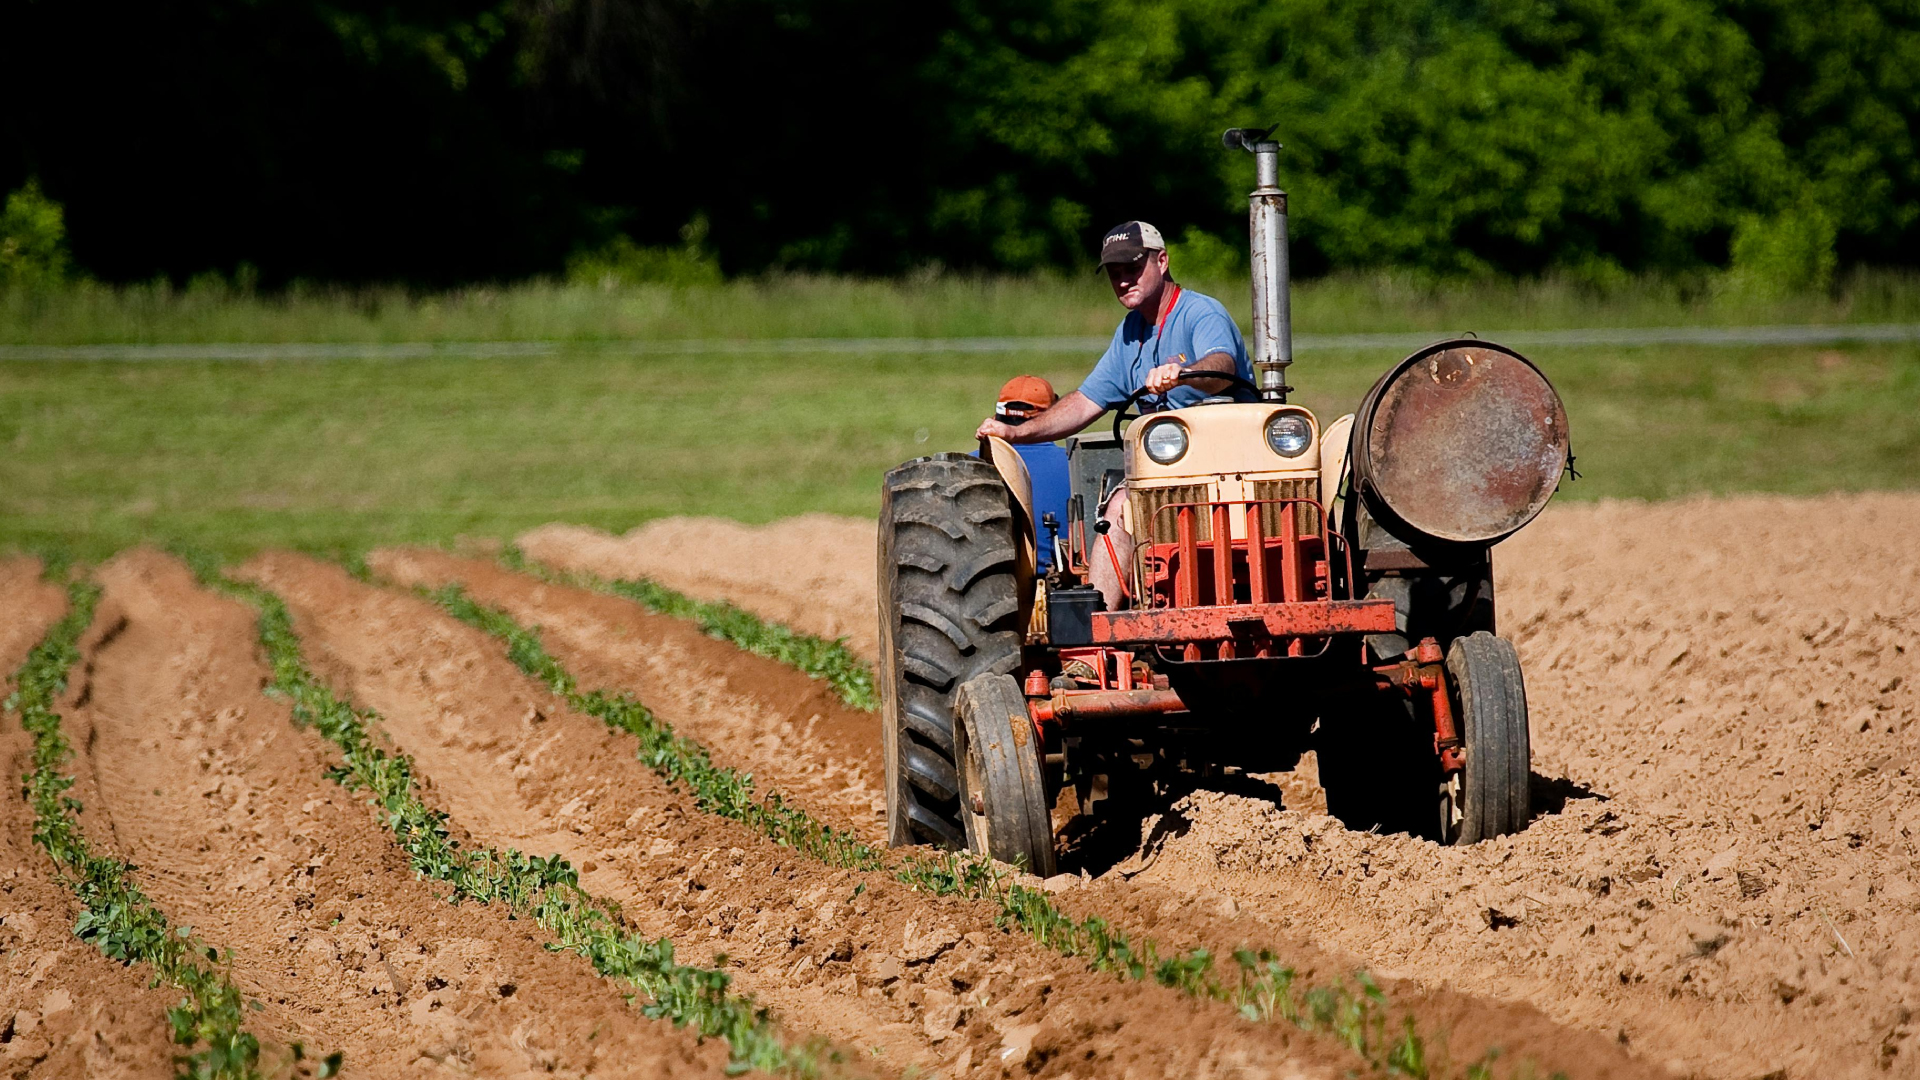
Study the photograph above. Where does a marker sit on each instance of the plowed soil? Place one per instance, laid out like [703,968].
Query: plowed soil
[190,773]
[1722,876]
[813,572]
[608,642]
[913,980]
[65,1010]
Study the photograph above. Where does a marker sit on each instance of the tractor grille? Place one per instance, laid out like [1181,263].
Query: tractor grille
[1165,528]
[1147,503]
[1306,518]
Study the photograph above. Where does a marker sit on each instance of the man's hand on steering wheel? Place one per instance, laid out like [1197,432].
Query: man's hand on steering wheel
[1163,378]
[1122,411]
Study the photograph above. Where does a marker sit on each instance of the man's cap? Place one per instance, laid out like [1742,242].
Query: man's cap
[1023,394]
[1129,243]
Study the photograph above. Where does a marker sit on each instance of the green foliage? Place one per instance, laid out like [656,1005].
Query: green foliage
[832,661]
[1200,256]
[546,890]
[115,916]
[33,240]
[1455,138]
[622,262]
[1783,255]
[1493,136]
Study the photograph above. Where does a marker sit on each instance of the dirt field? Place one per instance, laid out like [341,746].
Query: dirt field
[1722,879]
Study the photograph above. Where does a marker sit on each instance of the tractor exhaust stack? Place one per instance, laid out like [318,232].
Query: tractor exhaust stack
[1272,276]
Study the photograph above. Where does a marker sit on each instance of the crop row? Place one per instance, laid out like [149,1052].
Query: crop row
[1261,989]
[831,661]
[545,889]
[115,916]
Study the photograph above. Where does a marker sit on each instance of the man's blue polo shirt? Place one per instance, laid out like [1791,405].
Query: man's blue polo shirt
[1197,326]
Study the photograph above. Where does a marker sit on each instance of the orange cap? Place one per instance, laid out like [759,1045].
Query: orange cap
[1031,391]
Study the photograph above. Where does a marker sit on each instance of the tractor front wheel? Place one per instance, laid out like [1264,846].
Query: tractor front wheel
[1492,795]
[1003,789]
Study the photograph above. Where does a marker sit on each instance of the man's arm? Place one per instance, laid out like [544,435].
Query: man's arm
[1067,416]
[1166,376]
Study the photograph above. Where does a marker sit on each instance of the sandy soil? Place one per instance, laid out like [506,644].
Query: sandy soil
[1723,875]
[65,1010]
[913,980]
[743,707]
[193,775]
[612,643]
[813,572]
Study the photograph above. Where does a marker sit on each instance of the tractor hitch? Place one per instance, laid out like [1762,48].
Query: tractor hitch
[1064,707]
[1424,675]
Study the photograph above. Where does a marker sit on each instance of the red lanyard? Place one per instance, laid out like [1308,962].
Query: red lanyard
[1161,323]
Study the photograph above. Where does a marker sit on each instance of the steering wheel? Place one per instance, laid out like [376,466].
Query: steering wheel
[1120,413]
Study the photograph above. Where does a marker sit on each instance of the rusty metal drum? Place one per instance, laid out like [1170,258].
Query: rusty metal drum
[1462,442]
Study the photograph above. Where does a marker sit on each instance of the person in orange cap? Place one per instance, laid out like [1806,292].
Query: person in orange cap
[1022,398]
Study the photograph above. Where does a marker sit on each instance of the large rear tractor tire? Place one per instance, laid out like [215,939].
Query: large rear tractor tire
[1003,789]
[1492,796]
[949,613]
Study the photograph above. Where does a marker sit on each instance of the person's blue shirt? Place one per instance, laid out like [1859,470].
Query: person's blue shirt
[1047,467]
[1198,326]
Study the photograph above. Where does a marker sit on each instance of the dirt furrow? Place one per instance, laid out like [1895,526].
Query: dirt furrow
[917,980]
[189,772]
[65,1009]
[790,730]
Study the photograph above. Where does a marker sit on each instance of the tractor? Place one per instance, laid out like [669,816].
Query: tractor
[1293,586]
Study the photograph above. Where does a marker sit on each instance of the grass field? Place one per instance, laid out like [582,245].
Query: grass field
[341,454]
[932,306]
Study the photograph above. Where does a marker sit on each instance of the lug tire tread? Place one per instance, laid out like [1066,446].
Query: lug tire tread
[949,609]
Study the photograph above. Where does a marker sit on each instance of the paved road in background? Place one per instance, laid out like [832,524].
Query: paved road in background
[1619,337]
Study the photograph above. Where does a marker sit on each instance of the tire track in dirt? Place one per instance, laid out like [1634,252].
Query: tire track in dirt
[65,1009]
[928,981]
[1727,877]
[581,629]
[189,772]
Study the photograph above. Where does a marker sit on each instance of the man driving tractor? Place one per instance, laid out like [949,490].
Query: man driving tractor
[1168,330]
[1269,585]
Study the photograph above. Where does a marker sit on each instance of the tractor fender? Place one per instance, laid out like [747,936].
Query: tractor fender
[1013,472]
[1333,461]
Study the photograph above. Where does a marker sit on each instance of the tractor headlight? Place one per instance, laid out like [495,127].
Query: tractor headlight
[1165,441]
[1288,434]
